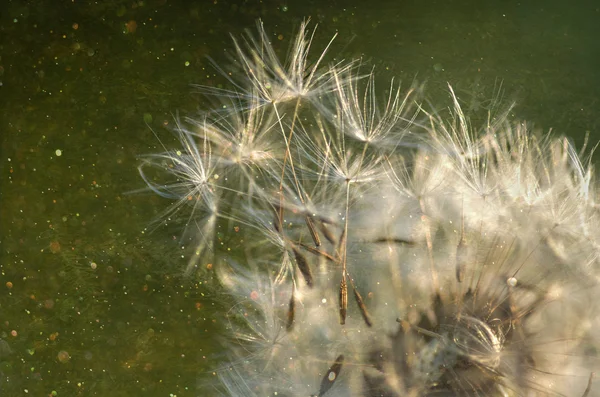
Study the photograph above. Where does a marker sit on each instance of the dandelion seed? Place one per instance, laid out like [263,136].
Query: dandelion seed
[343,299]
[331,375]
[317,252]
[327,233]
[589,386]
[359,116]
[303,267]
[266,79]
[186,178]
[313,231]
[362,307]
[240,137]
[291,312]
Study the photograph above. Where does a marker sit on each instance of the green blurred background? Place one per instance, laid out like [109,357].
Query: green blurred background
[91,298]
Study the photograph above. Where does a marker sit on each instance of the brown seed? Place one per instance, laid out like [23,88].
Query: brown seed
[331,375]
[317,252]
[291,313]
[362,307]
[393,240]
[304,267]
[312,230]
[589,385]
[278,220]
[343,300]
[327,233]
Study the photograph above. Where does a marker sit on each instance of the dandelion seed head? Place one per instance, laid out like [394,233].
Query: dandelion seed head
[387,249]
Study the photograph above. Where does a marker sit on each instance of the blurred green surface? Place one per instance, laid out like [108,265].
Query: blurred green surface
[92,301]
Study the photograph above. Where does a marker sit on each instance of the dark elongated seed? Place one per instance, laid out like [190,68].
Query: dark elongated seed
[303,266]
[585,393]
[312,230]
[343,300]
[327,233]
[362,307]
[317,252]
[291,312]
[278,218]
[393,240]
[331,375]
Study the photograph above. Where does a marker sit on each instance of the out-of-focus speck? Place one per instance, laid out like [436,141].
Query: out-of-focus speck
[55,247]
[58,152]
[130,27]
[121,11]
[63,356]
[5,349]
